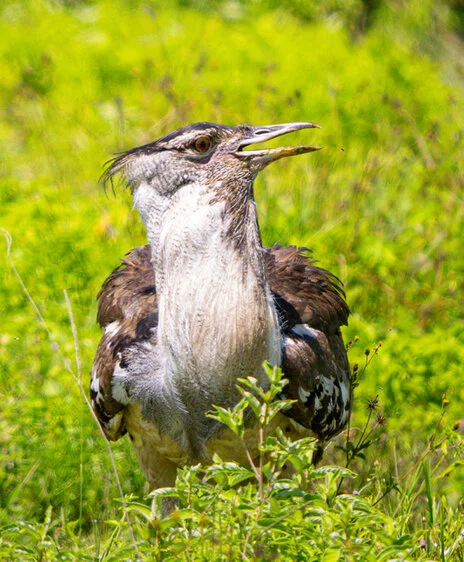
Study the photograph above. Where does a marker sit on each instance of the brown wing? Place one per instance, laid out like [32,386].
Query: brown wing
[127,311]
[306,294]
[311,307]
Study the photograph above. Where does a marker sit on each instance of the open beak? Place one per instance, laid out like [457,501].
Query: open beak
[263,157]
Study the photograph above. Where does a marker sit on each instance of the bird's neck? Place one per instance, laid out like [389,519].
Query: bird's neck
[217,320]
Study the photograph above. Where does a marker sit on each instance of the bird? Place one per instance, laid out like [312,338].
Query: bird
[204,304]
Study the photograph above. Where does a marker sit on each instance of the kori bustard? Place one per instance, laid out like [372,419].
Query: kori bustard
[204,304]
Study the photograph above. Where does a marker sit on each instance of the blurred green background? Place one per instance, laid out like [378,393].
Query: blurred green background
[381,206]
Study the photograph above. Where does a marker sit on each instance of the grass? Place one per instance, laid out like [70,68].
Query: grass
[381,207]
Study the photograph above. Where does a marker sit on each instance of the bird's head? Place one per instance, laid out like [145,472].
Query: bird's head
[215,159]
[201,153]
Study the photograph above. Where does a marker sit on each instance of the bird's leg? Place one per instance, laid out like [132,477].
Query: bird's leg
[318,453]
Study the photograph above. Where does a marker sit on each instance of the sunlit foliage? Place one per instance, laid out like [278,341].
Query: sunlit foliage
[381,207]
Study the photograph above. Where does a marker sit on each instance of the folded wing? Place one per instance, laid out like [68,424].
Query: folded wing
[312,308]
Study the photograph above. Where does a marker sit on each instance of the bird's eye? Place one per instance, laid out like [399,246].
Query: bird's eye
[202,144]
